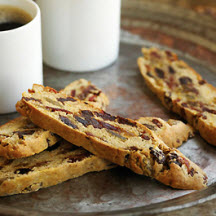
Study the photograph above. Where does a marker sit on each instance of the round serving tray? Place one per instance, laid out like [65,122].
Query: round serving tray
[184,27]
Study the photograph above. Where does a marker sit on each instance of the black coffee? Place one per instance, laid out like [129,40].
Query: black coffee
[12,17]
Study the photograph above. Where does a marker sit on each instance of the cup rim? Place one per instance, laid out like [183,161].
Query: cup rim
[27,24]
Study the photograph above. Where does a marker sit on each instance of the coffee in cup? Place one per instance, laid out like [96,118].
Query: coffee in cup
[12,17]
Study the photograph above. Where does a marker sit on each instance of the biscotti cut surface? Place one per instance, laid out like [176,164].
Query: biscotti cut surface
[119,140]
[173,132]
[181,89]
[21,138]
[56,164]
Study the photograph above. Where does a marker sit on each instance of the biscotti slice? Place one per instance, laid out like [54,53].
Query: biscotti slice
[181,89]
[21,138]
[119,140]
[56,164]
[173,132]
[85,90]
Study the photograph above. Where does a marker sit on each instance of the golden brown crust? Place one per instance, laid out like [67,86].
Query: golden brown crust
[173,132]
[181,89]
[128,144]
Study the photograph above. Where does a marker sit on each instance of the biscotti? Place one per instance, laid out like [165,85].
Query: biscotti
[173,132]
[21,138]
[119,140]
[181,89]
[56,164]
[86,91]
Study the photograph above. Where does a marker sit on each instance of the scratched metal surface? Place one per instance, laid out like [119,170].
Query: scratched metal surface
[119,191]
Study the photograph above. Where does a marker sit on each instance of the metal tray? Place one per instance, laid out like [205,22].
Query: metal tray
[180,27]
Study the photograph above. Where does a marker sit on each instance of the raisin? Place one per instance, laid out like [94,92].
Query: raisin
[174,158]
[205,109]
[205,178]
[125,121]
[39,164]
[86,92]
[73,93]
[86,114]
[89,134]
[149,74]
[204,117]
[168,53]
[82,121]
[184,104]
[156,122]
[97,93]
[151,127]
[96,123]
[191,89]
[171,70]
[155,54]
[105,116]
[202,82]
[109,126]
[145,137]
[157,155]
[31,98]
[53,109]
[93,98]
[53,147]
[22,133]
[133,148]
[185,80]
[53,90]
[192,172]
[160,73]
[31,91]
[79,157]
[67,121]
[22,171]
[168,100]
[66,99]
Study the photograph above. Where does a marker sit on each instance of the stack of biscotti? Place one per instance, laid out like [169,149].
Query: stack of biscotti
[21,171]
[181,89]
[122,141]
[21,138]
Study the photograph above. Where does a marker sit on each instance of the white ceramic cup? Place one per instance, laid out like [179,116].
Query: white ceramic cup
[80,35]
[20,56]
